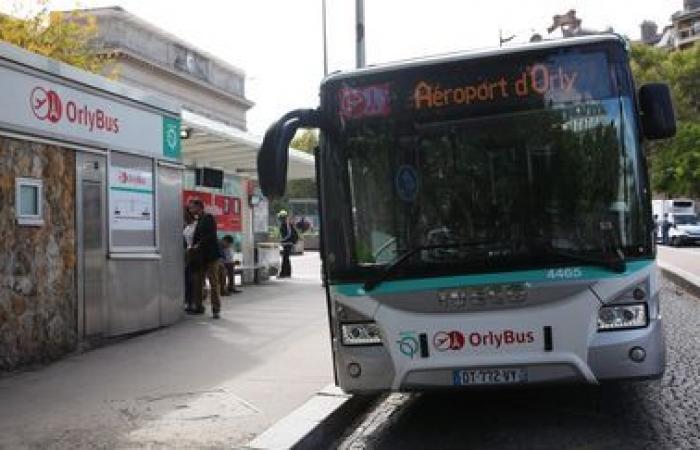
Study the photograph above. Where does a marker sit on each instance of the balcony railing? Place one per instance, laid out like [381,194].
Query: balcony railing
[689,34]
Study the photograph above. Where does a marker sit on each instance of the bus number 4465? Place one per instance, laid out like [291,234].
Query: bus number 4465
[568,273]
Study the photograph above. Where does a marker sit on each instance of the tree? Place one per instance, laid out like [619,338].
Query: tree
[66,37]
[676,167]
[675,163]
[305,140]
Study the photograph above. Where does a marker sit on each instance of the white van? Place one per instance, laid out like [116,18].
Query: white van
[685,228]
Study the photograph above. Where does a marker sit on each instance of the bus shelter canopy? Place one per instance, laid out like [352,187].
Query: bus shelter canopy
[214,144]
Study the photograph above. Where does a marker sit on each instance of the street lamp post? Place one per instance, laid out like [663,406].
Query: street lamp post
[325,38]
[360,33]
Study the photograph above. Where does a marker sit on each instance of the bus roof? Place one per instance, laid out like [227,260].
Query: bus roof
[474,54]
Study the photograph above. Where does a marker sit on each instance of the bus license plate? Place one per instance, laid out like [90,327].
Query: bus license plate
[504,375]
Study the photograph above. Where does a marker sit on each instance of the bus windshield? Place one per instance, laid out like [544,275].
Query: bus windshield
[512,187]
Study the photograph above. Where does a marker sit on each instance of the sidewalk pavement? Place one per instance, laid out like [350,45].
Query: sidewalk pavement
[682,265]
[199,383]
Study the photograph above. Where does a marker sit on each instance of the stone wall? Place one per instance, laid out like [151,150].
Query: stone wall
[147,57]
[37,264]
[120,30]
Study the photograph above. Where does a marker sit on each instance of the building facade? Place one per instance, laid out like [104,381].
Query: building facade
[680,34]
[686,24]
[148,57]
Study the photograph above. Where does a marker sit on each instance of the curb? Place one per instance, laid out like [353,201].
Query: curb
[685,279]
[316,424]
[368,432]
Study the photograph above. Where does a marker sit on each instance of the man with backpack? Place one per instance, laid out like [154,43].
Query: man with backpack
[288,238]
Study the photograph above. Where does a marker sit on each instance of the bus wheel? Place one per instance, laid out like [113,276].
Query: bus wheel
[674,242]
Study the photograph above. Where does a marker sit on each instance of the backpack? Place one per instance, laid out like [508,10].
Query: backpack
[294,238]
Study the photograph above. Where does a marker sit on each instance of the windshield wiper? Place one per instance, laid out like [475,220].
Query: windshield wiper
[613,261]
[384,274]
[612,258]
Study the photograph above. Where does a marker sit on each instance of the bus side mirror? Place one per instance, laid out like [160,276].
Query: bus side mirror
[273,156]
[272,163]
[658,118]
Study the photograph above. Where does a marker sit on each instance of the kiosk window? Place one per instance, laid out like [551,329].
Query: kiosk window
[28,200]
[131,203]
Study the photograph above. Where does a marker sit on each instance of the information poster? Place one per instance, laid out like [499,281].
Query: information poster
[131,199]
[205,197]
[261,216]
[132,221]
[225,209]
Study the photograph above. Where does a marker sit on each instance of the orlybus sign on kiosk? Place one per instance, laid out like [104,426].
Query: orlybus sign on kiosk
[50,108]
[48,105]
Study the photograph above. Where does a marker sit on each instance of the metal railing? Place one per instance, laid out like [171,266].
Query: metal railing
[689,34]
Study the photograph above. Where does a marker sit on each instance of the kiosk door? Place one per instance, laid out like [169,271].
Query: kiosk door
[171,248]
[92,246]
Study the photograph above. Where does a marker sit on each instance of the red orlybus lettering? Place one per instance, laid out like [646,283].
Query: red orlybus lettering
[475,339]
[505,337]
[71,111]
[92,120]
[508,337]
[100,119]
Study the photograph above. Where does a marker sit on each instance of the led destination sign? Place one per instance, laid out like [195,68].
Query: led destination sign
[478,87]
[539,79]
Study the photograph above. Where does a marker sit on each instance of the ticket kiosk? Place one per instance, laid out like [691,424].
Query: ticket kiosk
[91,198]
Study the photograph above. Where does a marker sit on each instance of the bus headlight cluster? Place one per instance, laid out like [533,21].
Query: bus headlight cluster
[618,317]
[361,333]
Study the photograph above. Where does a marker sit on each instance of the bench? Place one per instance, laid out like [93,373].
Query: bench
[261,272]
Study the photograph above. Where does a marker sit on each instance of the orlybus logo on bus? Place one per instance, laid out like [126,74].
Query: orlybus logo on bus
[46,104]
[456,340]
[367,101]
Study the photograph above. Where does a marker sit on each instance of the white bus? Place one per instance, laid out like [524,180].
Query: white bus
[486,217]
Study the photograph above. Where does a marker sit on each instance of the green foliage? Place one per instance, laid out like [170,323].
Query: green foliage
[274,232]
[301,189]
[675,163]
[676,168]
[305,140]
[66,37]
[364,253]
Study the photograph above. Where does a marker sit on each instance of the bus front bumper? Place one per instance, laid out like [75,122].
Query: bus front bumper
[609,358]
[610,353]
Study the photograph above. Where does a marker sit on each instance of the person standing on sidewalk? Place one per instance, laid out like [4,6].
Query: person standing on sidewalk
[227,268]
[188,235]
[206,259]
[665,227]
[288,237]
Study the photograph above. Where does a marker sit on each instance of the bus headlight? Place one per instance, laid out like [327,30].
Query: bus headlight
[361,333]
[617,317]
